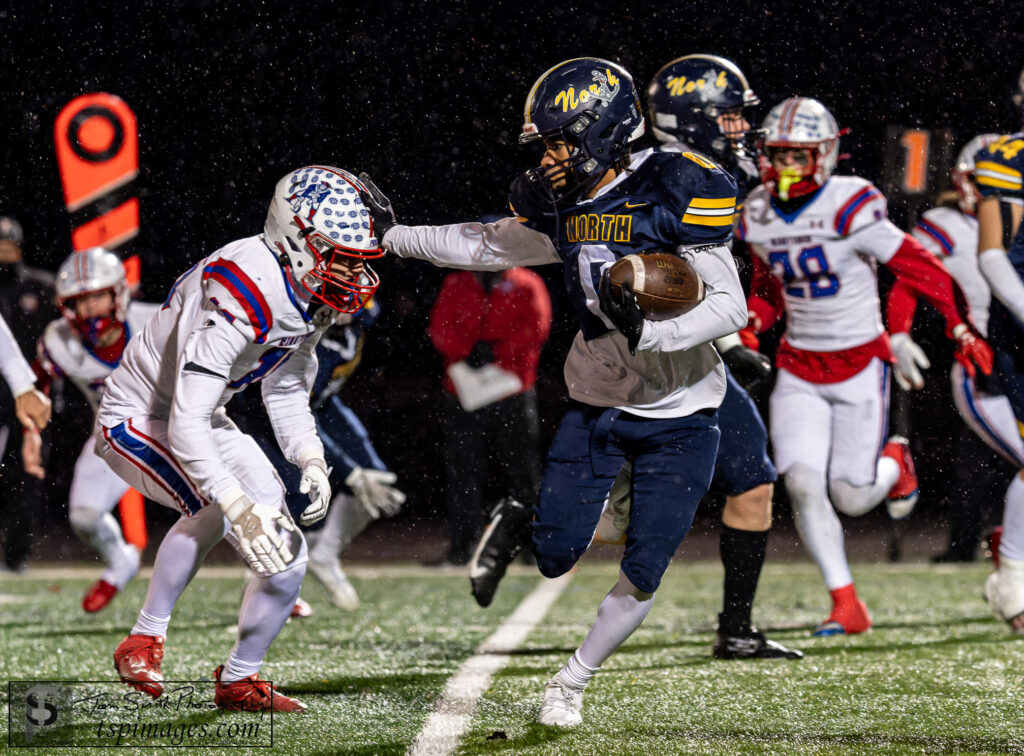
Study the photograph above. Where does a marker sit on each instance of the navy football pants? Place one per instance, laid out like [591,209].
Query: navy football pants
[673,461]
[743,462]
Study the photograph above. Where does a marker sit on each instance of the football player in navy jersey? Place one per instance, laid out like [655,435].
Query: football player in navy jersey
[642,392]
[698,102]
[999,174]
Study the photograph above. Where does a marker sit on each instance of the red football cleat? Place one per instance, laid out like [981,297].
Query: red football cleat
[846,619]
[301,608]
[898,448]
[252,694]
[137,659]
[98,596]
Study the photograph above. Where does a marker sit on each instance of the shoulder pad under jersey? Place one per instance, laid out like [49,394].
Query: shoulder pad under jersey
[703,196]
[858,203]
[237,296]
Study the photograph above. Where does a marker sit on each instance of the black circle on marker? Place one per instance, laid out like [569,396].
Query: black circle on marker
[80,149]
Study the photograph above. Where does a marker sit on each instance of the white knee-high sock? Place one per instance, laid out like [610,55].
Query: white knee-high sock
[1011,545]
[101,531]
[818,524]
[857,500]
[621,612]
[265,608]
[177,561]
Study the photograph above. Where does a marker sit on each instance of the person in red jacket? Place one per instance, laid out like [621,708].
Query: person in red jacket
[489,328]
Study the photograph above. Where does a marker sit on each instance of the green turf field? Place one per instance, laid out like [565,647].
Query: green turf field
[938,674]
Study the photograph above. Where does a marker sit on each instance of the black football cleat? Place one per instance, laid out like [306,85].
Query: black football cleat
[505,536]
[750,643]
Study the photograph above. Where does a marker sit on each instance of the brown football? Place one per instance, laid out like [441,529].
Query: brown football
[665,285]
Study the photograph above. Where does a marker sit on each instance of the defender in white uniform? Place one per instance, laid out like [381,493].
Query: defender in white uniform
[252,311]
[951,234]
[816,241]
[84,347]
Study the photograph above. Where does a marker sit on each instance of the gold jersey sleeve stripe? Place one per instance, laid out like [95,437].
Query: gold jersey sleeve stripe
[988,165]
[712,202]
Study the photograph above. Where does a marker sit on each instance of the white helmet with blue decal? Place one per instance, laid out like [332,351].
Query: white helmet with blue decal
[800,123]
[320,230]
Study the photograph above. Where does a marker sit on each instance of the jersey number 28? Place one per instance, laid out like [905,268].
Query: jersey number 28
[816,277]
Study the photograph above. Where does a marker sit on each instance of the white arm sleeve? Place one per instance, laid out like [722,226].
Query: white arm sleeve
[726,343]
[286,397]
[202,376]
[723,311]
[1003,279]
[13,366]
[473,246]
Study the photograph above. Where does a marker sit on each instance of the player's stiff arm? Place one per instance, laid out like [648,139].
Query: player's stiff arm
[642,392]
[1000,177]
[242,315]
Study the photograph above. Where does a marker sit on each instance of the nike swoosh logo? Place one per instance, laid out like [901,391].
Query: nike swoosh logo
[638,204]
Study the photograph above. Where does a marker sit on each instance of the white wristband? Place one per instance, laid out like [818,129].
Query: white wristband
[726,343]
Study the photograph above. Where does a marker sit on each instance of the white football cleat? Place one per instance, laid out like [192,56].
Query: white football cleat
[1004,591]
[562,705]
[334,579]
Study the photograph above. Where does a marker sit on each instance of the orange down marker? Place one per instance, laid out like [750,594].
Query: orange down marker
[97,147]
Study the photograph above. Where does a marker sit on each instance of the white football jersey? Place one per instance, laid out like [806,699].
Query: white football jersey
[952,236]
[232,319]
[825,254]
[63,354]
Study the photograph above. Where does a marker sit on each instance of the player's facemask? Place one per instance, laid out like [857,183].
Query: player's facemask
[340,277]
[96,330]
[794,180]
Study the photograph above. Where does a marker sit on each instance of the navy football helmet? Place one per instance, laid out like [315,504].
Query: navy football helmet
[686,98]
[591,104]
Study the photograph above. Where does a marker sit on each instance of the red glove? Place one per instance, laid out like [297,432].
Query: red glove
[749,338]
[972,350]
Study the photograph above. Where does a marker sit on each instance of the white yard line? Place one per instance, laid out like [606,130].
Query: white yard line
[453,712]
[80,571]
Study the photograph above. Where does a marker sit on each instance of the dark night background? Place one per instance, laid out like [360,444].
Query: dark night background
[427,97]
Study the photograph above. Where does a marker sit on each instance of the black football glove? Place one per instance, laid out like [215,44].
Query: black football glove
[749,367]
[481,355]
[624,312]
[379,206]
